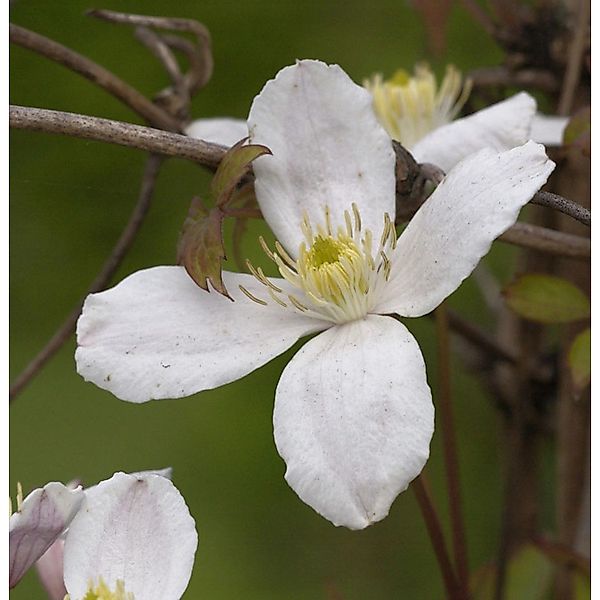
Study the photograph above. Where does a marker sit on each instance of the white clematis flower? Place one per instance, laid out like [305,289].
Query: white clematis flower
[50,565]
[353,414]
[38,522]
[133,540]
[421,115]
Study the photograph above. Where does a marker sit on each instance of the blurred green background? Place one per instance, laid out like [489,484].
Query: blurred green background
[70,198]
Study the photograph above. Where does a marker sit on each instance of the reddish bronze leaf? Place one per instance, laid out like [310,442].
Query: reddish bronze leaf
[233,167]
[201,250]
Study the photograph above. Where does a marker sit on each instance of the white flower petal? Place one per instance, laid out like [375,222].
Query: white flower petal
[166,472]
[479,200]
[353,419]
[44,515]
[548,130]
[134,528]
[501,126]
[158,335]
[328,149]
[50,571]
[220,130]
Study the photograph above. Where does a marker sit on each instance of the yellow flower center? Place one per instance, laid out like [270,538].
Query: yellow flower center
[103,592]
[337,274]
[410,107]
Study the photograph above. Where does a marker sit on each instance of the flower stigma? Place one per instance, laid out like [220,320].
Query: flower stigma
[103,592]
[337,273]
[411,107]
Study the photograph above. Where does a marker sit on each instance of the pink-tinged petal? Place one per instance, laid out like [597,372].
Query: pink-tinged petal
[44,515]
[328,150]
[158,335]
[501,126]
[50,571]
[548,129]
[134,528]
[353,419]
[478,201]
[218,130]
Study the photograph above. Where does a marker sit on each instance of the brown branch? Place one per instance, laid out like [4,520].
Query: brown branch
[563,205]
[549,241]
[574,62]
[100,282]
[538,79]
[483,340]
[117,132]
[449,445]
[209,155]
[155,115]
[201,59]
[436,535]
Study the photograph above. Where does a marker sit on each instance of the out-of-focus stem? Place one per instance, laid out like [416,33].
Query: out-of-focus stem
[436,535]
[444,403]
[102,279]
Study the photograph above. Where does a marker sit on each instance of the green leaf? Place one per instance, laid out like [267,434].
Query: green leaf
[547,299]
[580,359]
[528,576]
[201,248]
[233,167]
[578,131]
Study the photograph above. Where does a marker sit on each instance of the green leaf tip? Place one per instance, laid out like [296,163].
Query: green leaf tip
[547,299]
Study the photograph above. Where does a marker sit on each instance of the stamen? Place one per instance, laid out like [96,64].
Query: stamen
[297,303]
[410,107]
[357,220]
[278,300]
[339,276]
[348,221]
[286,257]
[253,298]
[266,248]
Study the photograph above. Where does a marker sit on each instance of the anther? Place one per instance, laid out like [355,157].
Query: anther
[253,298]
[357,221]
[297,303]
[266,248]
[278,300]
[286,257]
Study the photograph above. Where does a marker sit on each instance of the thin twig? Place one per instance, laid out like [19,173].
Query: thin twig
[547,240]
[537,79]
[481,339]
[563,205]
[117,132]
[108,81]
[210,155]
[576,50]
[444,404]
[109,268]
[202,66]
[436,535]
